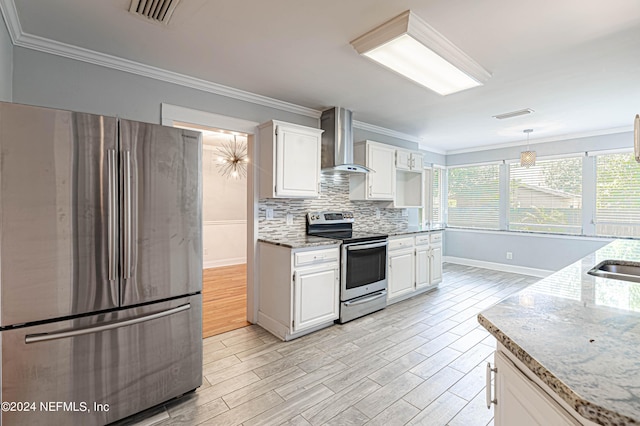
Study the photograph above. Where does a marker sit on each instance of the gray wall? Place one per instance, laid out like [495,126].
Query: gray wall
[48,80]
[6,63]
[529,250]
[361,135]
[53,81]
[57,82]
[545,252]
[568,146]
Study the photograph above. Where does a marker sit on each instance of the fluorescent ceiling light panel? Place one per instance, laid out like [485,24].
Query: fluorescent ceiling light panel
[409,46]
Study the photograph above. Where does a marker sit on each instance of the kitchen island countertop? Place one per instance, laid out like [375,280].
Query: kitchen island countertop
[580,335]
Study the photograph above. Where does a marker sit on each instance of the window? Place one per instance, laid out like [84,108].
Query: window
[431,212]
[546,197]
[436,197]
[474,197]
[617,195]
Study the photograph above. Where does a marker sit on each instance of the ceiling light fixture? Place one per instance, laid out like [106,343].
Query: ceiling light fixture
[409,46]
[528,157]
[513,113]
[232,159]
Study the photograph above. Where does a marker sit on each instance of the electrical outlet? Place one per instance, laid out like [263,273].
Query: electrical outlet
[405,212]
[377,213]
[269,214]
[289,219]
[206,251]
[509,255]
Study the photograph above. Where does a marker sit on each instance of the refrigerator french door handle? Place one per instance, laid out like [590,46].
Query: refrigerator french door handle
[127,214]
[112,219]
[35,338]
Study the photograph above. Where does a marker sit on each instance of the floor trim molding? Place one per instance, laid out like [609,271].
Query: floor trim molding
[503,267]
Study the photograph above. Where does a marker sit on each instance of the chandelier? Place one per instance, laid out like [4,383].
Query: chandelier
[232,159]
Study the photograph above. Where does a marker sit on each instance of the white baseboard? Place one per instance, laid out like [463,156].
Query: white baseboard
[541,273]
[223,262]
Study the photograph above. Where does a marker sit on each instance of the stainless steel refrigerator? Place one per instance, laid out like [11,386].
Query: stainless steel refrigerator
[100,266]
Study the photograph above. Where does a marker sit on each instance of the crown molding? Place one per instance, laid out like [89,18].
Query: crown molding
[557,138]
[10,14]
[396,134]
[34,42]
[384,131]
[30,41]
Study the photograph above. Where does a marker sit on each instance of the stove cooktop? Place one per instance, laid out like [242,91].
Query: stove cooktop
[351,236]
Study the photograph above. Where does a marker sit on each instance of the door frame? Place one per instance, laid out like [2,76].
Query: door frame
[172,113]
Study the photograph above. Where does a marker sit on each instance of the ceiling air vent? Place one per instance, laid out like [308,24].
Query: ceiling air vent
[513,114]
[156,10]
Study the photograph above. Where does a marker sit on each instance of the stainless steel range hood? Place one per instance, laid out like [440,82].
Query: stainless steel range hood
[337,142]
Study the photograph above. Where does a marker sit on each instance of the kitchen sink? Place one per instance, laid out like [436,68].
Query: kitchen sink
[617,269]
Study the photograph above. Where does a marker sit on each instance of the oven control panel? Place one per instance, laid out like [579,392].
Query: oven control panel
[316,218]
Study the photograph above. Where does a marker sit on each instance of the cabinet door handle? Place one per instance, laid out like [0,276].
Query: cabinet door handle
[488,387]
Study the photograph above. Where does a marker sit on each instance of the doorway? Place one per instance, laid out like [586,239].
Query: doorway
[224,212]
[224,228]
[173,115]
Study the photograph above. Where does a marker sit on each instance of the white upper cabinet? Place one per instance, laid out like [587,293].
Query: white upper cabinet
[408,160]
[289,160]
[409,179]
[379,184]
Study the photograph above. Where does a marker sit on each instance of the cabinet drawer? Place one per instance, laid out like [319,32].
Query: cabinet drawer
[422,240]
[436,238]
[316,256]
[400,243]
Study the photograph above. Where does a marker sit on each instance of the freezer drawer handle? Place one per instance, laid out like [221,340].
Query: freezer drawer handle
[35,338]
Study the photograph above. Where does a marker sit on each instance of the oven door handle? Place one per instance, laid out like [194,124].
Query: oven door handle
[369,298]
[366,246]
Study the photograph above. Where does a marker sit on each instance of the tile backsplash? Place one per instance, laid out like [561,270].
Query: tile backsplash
[334,197]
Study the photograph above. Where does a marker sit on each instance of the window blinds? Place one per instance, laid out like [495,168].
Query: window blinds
[617,195]
[474,197]
[546,197]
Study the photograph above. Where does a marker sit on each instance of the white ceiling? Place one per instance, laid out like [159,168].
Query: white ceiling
[575,62]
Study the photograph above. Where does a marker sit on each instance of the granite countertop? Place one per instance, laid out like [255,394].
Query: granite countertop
[303,240]
[580,335]
[299,241]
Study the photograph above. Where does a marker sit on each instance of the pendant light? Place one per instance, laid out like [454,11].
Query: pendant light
[528,157]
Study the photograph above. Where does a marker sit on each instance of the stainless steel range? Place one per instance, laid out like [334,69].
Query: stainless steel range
[363,281]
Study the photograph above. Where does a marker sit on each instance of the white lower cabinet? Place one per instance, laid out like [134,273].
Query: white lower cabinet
[520,400]
[435,260]
[299,289]
[415,264]
[316,293]
[423,266]
[401,278]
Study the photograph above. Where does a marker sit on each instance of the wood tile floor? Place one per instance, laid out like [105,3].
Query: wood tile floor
[420,361]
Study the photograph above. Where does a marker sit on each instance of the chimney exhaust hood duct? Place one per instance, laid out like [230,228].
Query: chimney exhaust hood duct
[337,142]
